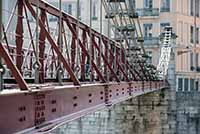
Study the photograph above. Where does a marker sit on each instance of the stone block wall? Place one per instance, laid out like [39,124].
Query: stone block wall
[153,113]
[160,112]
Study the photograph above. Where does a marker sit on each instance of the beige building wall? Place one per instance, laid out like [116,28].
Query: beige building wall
[180,19]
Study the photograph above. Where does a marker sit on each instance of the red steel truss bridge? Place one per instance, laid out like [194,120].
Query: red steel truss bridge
[65,74]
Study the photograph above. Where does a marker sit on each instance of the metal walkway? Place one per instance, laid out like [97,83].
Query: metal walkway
[63,75]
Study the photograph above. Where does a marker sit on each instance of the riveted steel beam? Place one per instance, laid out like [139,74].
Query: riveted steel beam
[42,110]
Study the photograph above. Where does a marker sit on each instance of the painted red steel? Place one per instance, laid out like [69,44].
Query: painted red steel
[42,38]
[83,57]
[42,110]
[19,35]
[106,62]
[119,66]
[73,49]
[85,51]
[4,54]
[54,46]
[46,104]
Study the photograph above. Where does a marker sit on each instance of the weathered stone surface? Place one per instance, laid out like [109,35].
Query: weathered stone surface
[161,112]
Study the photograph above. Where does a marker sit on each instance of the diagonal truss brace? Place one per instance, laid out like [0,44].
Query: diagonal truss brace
[54,46]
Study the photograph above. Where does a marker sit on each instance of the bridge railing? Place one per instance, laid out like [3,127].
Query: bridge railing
[75,70]
[73,52]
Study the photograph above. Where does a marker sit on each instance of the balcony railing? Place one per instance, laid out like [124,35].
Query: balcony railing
[164,9]
[148,11]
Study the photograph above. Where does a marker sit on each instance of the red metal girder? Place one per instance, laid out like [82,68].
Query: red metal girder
[55,11]
[19,35]
[53,61]
[106,62]
[105,66]
[122,56]
[128,65]
[12,52]
[111,62]
[54,46]
[133,74]
[65,41]
[31,64]
[138,74]
[142,70]
[83,56]
[99,55]
[5,38]
[15,72]
[73,49]
[121,69]
[42,37]
[111,54]
[85,51]
[92,56]
[117,56]
[43,109]
[29,29]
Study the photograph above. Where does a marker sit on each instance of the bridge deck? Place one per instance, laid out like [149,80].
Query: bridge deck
[44,108]
[82,53]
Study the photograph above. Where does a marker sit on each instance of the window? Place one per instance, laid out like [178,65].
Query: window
[134,4]
[79,12]
[148,30]
[162,26]
[191,7]
[197,59]
[148,3]
[94,11]
[197,7]
[197,35]
[197,85]
[191,84]
[64,6]
[191,34]
[69,9]
[180,84]
[165,6]
[191,61]
[186,81]
[131,5]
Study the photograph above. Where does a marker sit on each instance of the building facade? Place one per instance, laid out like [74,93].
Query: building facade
[154,16]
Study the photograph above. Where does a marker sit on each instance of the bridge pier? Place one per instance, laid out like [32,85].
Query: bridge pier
[161,112]
[151,113]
